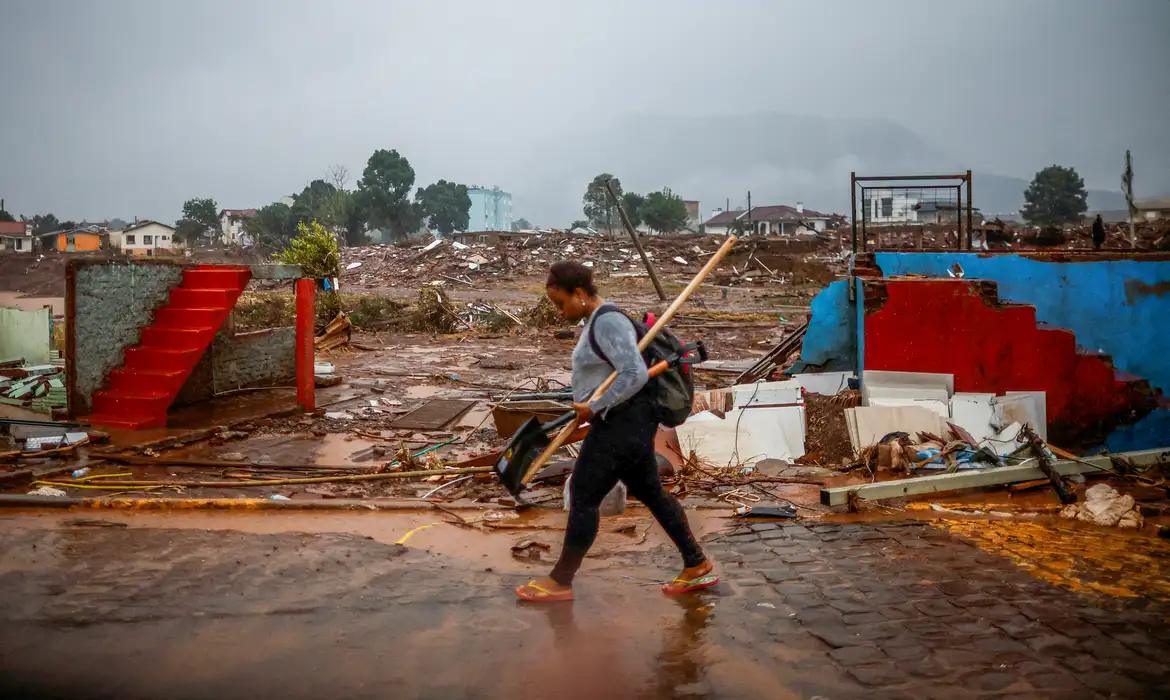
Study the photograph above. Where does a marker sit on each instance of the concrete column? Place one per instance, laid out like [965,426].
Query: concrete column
[306,292]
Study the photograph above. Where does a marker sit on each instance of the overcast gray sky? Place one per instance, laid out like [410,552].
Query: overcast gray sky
[127,108]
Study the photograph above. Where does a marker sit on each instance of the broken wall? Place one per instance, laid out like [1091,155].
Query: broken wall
[107,303]
[1113,304]
[830,344]
[242,361]
[25,334]
[960,327]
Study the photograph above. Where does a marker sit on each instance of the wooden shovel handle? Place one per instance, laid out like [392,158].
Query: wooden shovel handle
[642,345]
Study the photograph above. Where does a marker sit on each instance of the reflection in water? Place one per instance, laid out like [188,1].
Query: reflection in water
[680,662]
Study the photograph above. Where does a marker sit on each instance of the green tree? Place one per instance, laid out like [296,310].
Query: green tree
[5,216]
[446,205]
[633,203]
[384,194]
[273,227]
[45,223]
[200,221]
[521,224]
[315,202]
[664,211]
[1056,197]
[579,223]
[597,204]
[316,250]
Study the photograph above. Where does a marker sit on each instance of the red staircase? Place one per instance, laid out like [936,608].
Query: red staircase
[139,392]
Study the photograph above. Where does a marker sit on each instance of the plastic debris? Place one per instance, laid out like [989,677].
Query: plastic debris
[47,491]
[78,473]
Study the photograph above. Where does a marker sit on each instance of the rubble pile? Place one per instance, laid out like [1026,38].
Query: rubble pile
[453,263]
[39,388]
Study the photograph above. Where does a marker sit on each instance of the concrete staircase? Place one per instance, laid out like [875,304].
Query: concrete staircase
[138,394]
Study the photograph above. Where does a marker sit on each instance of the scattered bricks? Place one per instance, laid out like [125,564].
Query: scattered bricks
[858,656]
[877,675]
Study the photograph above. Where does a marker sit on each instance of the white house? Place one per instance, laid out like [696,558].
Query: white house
[231,225]
[774,220]
[145,238]
[889,207]
[16,236]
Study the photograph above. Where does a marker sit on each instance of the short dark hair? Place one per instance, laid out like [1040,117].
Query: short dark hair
[570,276]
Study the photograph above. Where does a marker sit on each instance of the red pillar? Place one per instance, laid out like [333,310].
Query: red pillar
[306,291]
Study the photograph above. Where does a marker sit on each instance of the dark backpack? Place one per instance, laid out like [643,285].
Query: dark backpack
[673,391]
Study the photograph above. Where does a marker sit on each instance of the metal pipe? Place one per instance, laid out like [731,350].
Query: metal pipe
[970,208]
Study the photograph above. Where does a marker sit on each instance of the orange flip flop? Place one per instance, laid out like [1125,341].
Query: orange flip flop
[679,585]
[542,595]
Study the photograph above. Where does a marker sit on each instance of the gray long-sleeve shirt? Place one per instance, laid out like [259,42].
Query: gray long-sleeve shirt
[616,337]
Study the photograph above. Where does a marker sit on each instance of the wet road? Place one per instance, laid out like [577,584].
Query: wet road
[833,610]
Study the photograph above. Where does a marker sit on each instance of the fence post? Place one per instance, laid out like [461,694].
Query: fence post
[306,292]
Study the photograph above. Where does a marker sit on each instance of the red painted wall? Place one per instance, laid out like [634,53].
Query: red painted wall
[955,327]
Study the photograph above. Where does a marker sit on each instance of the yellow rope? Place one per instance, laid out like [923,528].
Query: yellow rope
[71,485]
[420,527]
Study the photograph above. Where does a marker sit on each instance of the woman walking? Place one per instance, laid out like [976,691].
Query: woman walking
[620,441]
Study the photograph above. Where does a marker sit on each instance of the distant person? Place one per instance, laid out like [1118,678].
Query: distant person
[1098,233]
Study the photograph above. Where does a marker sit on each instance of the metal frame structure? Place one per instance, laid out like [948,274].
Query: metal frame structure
[891,182]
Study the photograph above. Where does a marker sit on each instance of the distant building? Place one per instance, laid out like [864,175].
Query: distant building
[889,207]
[1152,209]
[16,236]
[491,209]
[775,220]
[147,238]
[231,225]
[694,218]
[77,240]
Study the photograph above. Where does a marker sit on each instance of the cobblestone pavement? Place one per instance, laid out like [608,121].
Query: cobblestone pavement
[865,610]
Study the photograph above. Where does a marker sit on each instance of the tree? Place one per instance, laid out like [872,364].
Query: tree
[316,250]
[314,203]
[1056,197]
[384,191]
[5,216]
[446,205]
[633,203]
[1127,190]
[45,223]
[273,227]
[664,211]
[200,220]
[579,223]
[598,206]
[521,224]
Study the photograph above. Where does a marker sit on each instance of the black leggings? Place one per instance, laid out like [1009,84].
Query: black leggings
[620,446]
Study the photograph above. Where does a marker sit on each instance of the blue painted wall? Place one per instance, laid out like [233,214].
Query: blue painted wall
[831,340]
[1120,307]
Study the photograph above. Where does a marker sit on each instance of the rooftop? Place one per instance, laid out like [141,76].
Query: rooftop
[13,228]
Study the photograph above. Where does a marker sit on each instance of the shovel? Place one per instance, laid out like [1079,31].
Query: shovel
[532,439]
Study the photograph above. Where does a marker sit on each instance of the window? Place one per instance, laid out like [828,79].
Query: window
[130,239]
[146,240]
[162,238]
[887,206]
[69,240]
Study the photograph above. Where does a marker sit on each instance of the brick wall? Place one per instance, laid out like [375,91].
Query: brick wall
[106,305]
[245,360]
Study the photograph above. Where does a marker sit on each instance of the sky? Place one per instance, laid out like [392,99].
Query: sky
[124,108]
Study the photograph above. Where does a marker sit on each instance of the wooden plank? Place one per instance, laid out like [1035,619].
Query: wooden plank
[434,414]
[976,478]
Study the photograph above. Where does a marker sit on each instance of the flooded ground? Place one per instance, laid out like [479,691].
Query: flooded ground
[193,606]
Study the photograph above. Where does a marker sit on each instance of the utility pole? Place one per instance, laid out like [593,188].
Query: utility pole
[751,226]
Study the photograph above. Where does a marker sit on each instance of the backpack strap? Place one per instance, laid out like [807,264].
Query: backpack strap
[593,341]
